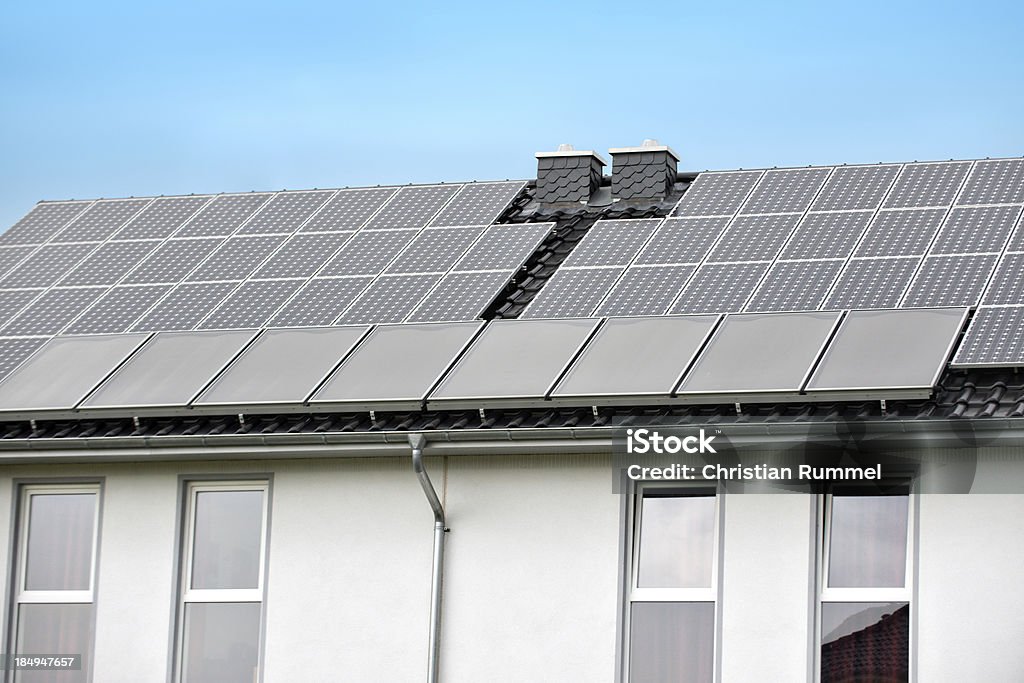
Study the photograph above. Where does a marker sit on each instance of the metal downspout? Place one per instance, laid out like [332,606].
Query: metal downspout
[418,441]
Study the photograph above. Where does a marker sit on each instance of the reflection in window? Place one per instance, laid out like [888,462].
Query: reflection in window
[865,600]
[865,642]
[673,588]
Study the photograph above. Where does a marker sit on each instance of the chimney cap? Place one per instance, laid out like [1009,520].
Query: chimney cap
[566,150]
[648,145]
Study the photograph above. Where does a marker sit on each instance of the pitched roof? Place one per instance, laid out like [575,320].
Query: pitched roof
[886,237]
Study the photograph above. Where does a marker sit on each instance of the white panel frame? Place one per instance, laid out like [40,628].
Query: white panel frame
[189,595]
[864,594]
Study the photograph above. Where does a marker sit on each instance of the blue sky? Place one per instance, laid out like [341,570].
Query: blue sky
[126,98]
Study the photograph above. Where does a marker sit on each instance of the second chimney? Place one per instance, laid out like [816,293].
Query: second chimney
[568,175]
[644,172]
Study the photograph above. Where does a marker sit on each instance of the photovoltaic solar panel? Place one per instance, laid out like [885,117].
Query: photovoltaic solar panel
[13,300]
[720,288]
[44,267]
[900,233]
[116,310]
[826,235]
[43,222]
[101,220]
[572,293]
[161,218]
[795,286]
[435,251]
[389,299]
[172,261]
[236,258]
[368,253]
[993,338]
[751,238]
[320,302]
[349,209]
[717,194]
[285,212]
[682,240]
[184,307]
[950,281]
[109,263]
[927,185]
[645,291]
[412,207]
[14,351]
[302,255]
[12,256]
[855,187]
[251,305]
[785,191]
[504,246]
[51,312]
[1007,286]
[1016,242]
[611,243]
[223,215]
[976,230]
[460,296]
[995,182]
[478,204]
[872,283]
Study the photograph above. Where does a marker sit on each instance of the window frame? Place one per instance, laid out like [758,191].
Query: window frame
[24,493]
[188,595]
[632,593]
[865,594]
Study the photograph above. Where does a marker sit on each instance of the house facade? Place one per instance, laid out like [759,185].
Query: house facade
[653,426]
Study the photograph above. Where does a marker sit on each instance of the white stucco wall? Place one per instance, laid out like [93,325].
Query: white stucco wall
[349,577]
[532,574]
[970,619]
[767,580]
[532,570]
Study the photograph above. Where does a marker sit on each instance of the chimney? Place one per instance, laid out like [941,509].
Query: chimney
[644,172]
[568,175]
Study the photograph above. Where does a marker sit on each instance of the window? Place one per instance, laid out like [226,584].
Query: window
[54,600]
[866,575]
[221,609]
[672,606]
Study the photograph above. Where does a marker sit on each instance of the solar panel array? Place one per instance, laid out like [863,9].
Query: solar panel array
[240,261]
[819,238]
[921,235]
[502,363]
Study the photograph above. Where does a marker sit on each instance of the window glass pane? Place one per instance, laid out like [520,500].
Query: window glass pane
[221,642]
[676,541]
[868,542]
[865,642]
[228,531]
[50,629]
[672,641]
[60,535]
